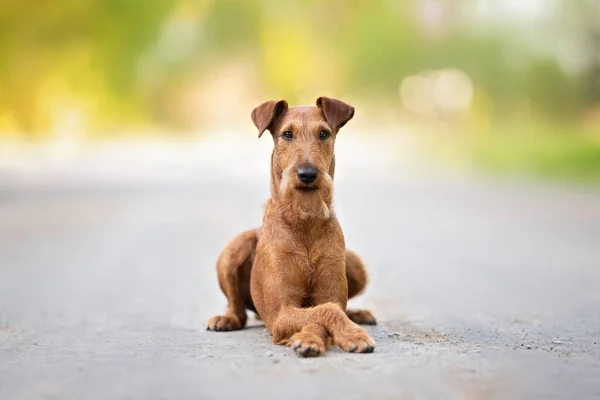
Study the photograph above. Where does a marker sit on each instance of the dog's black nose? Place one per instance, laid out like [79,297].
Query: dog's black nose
[307,174]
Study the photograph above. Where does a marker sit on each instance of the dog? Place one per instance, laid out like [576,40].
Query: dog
[294,271]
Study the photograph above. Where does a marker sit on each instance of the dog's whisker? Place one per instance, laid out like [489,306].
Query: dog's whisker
[285,179]
[326,212]
[327,178]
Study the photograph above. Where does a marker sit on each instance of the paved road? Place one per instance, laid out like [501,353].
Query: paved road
[483,289]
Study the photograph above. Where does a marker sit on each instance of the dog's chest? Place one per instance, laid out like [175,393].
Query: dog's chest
[309,267]
[316,269]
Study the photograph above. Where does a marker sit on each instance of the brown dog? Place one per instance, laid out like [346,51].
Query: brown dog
[296,272]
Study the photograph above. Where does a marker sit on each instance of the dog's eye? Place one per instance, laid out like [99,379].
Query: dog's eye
[287,135]
[324,135]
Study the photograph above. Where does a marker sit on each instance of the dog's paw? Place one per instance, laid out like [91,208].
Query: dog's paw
[361,317]
[307,344]
[224,323]
[354,340]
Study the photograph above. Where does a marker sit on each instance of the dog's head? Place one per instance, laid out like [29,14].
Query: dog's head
[303,161]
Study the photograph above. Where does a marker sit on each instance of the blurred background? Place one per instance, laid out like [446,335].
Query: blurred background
[467,181]
[496,85]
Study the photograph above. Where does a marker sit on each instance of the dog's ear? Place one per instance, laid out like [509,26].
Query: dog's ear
[336,112]
[265,114]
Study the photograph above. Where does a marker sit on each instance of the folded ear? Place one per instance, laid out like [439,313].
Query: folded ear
[265,114]
[336,112]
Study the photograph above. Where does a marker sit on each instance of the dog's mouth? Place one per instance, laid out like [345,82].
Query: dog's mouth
[307,188]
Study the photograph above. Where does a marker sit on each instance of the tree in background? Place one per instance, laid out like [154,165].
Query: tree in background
[117,61]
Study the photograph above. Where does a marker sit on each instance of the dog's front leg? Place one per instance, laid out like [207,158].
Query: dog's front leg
[306,330]
[279,300]
[332,288]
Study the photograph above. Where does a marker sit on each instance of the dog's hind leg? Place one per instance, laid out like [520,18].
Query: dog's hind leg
[356,274]
[233,269]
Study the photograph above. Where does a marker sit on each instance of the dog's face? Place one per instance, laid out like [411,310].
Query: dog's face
[303,161]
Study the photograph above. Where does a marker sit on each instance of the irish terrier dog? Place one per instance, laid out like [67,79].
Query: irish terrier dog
[295,271]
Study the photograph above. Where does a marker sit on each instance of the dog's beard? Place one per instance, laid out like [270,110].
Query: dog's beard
[307,204]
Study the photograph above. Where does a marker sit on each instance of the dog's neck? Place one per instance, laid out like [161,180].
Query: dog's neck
[296,210]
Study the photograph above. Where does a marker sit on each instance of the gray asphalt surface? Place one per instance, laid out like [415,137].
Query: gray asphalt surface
[483,289]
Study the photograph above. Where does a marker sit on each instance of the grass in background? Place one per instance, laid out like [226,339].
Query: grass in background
[571,154]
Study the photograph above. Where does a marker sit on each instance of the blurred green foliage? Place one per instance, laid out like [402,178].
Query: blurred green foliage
[558,155]
[72,48]
[116,62]
[539,151]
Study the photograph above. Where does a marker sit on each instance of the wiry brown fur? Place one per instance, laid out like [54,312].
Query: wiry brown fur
[296,273]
